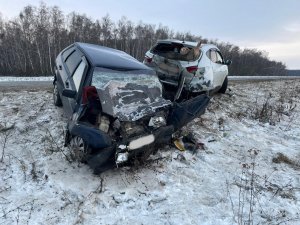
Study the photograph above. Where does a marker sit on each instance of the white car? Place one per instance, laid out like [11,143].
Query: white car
[191,66]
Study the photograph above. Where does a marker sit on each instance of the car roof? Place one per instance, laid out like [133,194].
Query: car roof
[187,43]
[100,56]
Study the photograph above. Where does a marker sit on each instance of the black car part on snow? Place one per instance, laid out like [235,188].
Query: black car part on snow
[183,113]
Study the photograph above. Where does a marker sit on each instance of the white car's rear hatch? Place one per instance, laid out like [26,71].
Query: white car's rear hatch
[169,60]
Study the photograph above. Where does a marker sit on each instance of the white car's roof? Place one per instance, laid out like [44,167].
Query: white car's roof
[208,46]
[188,43]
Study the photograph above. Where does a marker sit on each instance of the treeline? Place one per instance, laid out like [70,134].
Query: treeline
[30,43]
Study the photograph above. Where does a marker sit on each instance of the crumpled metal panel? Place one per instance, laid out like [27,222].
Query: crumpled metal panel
[198,84]
[130,101]
[170,70]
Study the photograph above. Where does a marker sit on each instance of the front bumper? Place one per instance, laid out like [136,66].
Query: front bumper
[122,152]
[107,154]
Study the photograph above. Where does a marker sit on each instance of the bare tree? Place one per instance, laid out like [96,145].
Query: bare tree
[30,43]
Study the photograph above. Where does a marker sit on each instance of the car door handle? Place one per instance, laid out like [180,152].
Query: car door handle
[67,84]
[60,67]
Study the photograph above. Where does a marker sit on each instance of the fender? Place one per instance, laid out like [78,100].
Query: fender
[95,138]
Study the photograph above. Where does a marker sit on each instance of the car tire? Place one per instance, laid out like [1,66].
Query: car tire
[56,97]
[223,89]
[79,149]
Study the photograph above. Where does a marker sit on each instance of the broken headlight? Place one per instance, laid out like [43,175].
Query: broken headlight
[122,157]
[157,121]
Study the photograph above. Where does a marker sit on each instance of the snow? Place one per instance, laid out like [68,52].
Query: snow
[262,78]
[217,184]
[25,79]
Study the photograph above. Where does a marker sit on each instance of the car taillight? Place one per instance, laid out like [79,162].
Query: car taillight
[148,59]
[192,69]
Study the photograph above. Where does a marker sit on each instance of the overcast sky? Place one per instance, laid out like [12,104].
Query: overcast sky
[270,25]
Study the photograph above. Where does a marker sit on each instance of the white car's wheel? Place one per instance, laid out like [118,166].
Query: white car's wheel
[224,86]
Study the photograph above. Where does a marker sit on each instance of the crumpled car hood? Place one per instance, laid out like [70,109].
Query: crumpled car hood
[130,101]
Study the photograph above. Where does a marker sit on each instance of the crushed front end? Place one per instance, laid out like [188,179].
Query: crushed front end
[126,118]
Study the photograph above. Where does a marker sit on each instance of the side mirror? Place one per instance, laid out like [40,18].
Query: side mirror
[69,93]
[228,62]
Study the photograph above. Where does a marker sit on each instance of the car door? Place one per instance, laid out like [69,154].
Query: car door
[71,65]
[220,70]
[78,78]
[61,72]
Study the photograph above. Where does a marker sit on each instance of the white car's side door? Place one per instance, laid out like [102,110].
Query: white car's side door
[220,70]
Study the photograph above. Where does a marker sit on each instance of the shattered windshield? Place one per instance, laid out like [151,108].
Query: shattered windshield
[102,77]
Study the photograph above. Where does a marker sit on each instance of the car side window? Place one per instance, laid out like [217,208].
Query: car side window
[213,56]
[72,61]
[78,74]
[66,53]
[219,57]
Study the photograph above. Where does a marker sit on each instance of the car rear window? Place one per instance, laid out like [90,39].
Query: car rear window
[172,51]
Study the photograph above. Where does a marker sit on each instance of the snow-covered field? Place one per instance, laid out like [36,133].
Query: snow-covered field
[248,171]
[25,79]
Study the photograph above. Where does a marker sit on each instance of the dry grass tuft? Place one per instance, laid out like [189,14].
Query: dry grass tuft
[281,158]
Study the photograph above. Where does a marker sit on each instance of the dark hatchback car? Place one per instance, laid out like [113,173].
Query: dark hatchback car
[115,106]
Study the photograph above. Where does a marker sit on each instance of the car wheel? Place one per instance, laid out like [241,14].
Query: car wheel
[224,86]
[79,148]
[56,96]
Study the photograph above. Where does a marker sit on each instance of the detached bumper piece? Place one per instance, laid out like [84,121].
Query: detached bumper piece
[185,112]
